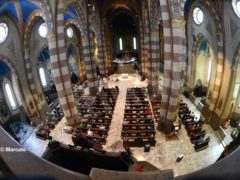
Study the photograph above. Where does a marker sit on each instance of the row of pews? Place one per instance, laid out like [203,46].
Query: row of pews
[44,129]
[96,116]
[194,127]
[138,125]
[156,105]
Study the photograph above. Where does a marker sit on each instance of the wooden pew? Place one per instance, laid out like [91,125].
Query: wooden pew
[195,136]
[131,114]
[95,130]
[201,145]
[96,115]
[131,142]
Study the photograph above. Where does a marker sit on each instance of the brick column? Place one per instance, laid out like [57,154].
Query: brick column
[167,63]
[174,57]
[104,50]
[59,67]
[179,54]
[108,49]
[154,71]
[81,62]
[142,49]
[89,64]
[147,43]
[101,53]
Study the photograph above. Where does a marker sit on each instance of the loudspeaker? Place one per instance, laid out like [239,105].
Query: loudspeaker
[147,147]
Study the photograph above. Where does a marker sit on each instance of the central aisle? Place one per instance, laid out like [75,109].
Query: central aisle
[114,142]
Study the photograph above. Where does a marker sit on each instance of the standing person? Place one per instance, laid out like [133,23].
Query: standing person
[117,88]
[74,78]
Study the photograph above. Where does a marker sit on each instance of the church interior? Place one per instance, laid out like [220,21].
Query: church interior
[120,89]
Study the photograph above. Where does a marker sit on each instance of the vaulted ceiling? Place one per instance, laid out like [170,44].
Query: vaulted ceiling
[21,10]
[110,6]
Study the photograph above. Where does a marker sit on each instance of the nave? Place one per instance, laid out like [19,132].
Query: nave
[160,155]
[150,85]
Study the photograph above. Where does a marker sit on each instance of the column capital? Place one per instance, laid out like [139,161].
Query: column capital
[178,23]
[51,36]
[155,33]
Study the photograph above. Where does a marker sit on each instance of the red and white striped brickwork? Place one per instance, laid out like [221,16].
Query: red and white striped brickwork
[167,62]
[59,66]
[28,66]
[147,42]
[89,65]
[100,51]
[104,50]
[154,72]
[174,60]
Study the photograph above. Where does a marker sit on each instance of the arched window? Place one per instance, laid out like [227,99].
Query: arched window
[120,44]
[235,91]
[198,15]
[209,70]
[43,30]
[42,77]
[10,97]
[236,7]
[3,32]
[134,43]
[69,32]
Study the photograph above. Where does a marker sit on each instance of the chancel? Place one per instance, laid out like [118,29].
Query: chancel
[119,89]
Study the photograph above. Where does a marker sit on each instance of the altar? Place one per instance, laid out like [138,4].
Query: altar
[124,65]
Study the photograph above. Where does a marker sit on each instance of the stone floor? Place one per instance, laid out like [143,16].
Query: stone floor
[163,155]
[35,145]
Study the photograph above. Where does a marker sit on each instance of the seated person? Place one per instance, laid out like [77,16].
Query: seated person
[89,132]
[102,127]
[74,78]
[81,125]
[138,141]
[125,121]
[80,140]
[105,81]
[196,136]
[125,138]
[200,140]
[195,119]
[149,111]
[117,89]
[101,114]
